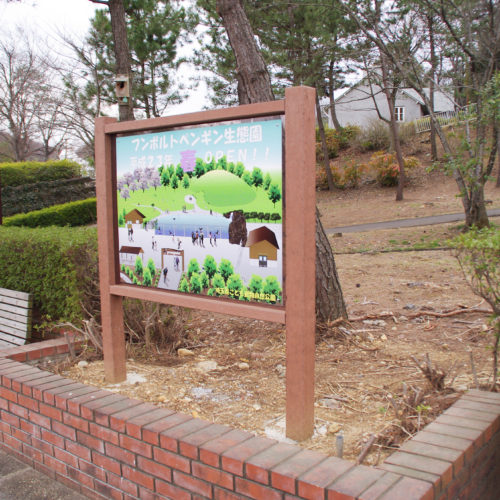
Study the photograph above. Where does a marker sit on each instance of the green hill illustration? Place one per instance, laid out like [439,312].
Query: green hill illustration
[222,188]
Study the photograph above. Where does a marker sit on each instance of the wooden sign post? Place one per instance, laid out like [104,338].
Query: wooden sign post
[295,308]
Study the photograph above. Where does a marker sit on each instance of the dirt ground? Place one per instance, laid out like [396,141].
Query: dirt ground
[366,380]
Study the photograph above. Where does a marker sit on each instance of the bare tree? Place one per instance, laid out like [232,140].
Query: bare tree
[254,86]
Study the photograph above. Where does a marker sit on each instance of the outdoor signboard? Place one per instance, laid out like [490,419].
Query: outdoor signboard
[200,209]
[215,211]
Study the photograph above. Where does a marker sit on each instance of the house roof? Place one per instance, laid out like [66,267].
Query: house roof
[131,250]
[137,211]
[261,234]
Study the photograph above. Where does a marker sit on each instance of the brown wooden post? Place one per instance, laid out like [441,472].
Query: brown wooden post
[113,337]
[300,257]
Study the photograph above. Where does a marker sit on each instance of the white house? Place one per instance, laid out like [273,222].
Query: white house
[356,106]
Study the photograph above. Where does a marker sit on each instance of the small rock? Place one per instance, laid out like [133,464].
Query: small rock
[184,353]
[329,403]
[83,364]
[383,337]
[243,366]
[374,322]
[334,428]
[409,307]
[257,407]
[207,366]
[403,318]
[161,399]
[281,370]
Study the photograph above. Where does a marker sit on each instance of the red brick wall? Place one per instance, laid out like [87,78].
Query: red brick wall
[108,446]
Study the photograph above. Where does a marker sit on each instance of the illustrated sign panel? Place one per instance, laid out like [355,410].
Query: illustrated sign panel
[200,210]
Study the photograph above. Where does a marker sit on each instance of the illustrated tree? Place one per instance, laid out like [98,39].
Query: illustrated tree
[210,266]
[218,281]
[174,182]
[274,193]
[193,267]
[199,168]
[147,279]
[234,283]
[139,268]
[255,284]
[225,269]
[195,283]
[255,86]
[183,285]
[204,280]
[267,181]
[151,266]
[257,177]
[272,286]
[185,181]
[165,178]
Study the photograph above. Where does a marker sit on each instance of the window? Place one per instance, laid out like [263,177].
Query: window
[399,112]
[262,260]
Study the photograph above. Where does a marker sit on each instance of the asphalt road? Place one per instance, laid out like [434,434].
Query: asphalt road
[416,221]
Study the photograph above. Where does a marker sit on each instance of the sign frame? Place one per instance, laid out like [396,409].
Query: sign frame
[299,248]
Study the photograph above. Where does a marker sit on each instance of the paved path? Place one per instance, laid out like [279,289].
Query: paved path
[416,221]
[19,481]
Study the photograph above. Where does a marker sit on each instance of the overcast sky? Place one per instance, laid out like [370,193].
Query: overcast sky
[48,19]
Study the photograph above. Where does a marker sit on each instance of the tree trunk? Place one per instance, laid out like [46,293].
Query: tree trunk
[333,112]
[122,54]
[430,25]
[324,147]
[256,86]
[475,209]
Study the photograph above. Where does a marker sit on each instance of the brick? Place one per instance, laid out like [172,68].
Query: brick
[213,475]
[442,440]
[284,475]
[188,446]
[172,460]
[220,494]
[123,484]
[102,414]
[12,443]
[493,396]
[106,463]
[67,458]
[171,491]
[170,438]
[44,470]
[40,420]
[32,429]
[483,399]
[119,420]
[64,430]
[75,404]
[192,484]
[73,421]
[151,432]
[107,491]
[21,435]
[134,424]
[154,468]
[423,464]
[90,441]
[30,403]
[138,477]
[43,446]
[255,490]
[40,390]
[88,410]
[257,467]
[136,446]
[32,453]
[429,450]
[211,451]
[29,385]
[463,412]
[78,450]
[409,489]
[8,394]
[61,398]
[233,459]
[452,430]
[120,454]
[18,410]
[145,494]
[464,422]
[9,418]
[55,465]
[489,409]
[80,477]
[50,411]
[380,486]
[413,473]
[353,482]
[104,433]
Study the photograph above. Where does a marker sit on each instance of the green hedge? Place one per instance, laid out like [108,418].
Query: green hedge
[75,213]
[31,172]
[58,265]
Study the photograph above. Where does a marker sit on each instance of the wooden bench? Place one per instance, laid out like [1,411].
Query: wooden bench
[15,317]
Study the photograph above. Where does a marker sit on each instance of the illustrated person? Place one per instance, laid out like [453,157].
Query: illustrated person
[165,272]
[177,263]
[153,242]
[192,237]
[178,243]
[210,235]
[131,234]
[197,235]
[215,237]
[201,238]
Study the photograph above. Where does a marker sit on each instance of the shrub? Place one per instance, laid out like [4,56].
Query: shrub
[375,136]
[57,265]
[478,252]
[387,169]
[336,140]
[76,213]
[30,172]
